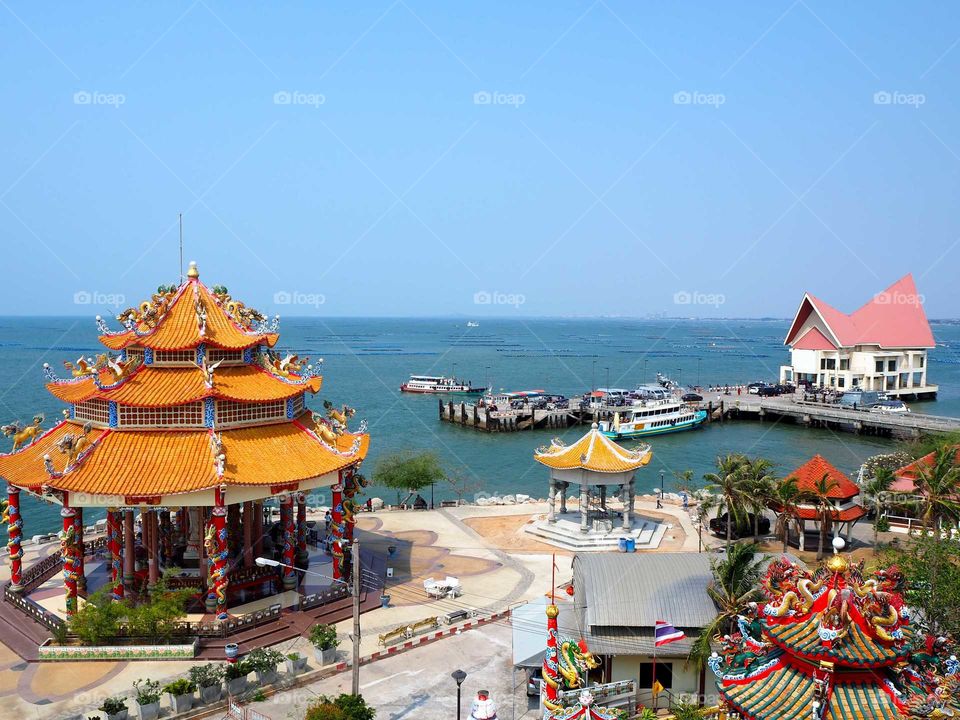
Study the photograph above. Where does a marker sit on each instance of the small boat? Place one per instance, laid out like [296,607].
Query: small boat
[473,323]
[653,417]
[440,385]
[888,407]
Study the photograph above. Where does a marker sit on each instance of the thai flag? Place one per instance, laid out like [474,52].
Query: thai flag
[664,633]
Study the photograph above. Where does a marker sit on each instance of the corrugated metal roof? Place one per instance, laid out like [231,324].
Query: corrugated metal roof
[614,591]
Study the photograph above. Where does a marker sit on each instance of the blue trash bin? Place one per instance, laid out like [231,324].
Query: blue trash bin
[623,544]
[631,544]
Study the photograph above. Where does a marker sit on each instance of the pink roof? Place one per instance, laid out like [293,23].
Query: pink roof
[813,339]
[905,478]
[893,318]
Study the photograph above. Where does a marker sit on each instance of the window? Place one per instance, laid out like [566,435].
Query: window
[879,366]
[920,359]
[840,382]
[831,364]
[189,415]
[845,363]
[892,365]
[97,411]
[664,675]
[298,404]
[228,357]
[234,413]
[175,357]
[135,354]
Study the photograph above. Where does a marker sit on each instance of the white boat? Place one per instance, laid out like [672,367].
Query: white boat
[890,407]
[439,384]
[652,417]
[472,323]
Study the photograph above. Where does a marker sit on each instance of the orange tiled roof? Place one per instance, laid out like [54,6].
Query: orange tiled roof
[851,513]
[814,469]
[594,451]
[164,386]
[177,328]
[163,462]
[906,477]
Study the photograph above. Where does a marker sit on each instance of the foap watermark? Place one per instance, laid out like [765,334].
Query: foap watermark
[95,97]
[695,297]
[895,97]
[296,297]
[95,297]
[495,97]
[899,298]
[485,297]
[297,97]
[695,97]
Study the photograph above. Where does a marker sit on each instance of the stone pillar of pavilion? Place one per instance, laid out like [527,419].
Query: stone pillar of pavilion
[552,502]
[151,533]
[289,541]
[249,526]
[563,496]
[302,556]
[628,493]
[584,507]
[194,527]
[80,565]
[68,543]
[603,497]
[166,538]
[129,545]
[233,529]
[115,547]
[15,537]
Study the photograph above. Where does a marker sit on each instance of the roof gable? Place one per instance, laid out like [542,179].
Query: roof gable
[813,339]
[808,474]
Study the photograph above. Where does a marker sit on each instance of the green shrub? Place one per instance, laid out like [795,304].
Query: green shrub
[264,660]
[113,705]
[323,637]
[148,691]
[239,669]
[208,675]
[183,686]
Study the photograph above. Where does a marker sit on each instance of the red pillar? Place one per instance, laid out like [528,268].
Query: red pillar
[336,530]
[302,555]
[258,529]
[248,529]
[216,544]
[151,521]
[80,565]
[129,545]
[233,528]
[15,536]
[68,552]
[289,541]
[551,678]
[114,545]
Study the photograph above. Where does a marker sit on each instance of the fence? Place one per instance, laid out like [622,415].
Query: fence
[236,711]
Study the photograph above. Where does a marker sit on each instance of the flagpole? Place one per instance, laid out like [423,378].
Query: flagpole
[653,683]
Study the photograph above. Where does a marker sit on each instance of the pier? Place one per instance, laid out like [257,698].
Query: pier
[719,407]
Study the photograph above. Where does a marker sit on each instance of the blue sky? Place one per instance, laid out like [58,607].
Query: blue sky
[411,158]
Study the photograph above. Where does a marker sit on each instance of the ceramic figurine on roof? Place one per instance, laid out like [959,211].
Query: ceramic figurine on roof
[834,645]
[183,416]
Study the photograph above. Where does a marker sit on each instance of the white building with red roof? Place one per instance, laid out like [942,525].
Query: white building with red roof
[880,347]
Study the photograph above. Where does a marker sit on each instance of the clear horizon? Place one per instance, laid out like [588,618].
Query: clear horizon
[582,160]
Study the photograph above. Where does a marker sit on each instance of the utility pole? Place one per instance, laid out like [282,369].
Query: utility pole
[355,573]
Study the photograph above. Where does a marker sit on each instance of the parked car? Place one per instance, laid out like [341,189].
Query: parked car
[768,391]
[754,387]
[718,526]
[691,397]
[533,682]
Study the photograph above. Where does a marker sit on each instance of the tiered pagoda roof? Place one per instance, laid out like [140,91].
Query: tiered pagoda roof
[831,645]
[841,489]
[594,452]
[195,399]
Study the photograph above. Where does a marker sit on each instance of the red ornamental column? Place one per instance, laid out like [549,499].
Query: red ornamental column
[114,538]
[14,537]
[549,691]
[289,541]
[303,556]
[216,544]
[336,530]
[151,521]
[248,530]
[68,548]
[129,550]
[80,566]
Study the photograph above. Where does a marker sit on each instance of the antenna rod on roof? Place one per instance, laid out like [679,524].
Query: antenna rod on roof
[181,248]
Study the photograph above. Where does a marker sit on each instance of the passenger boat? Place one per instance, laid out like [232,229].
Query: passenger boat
[440,385]
[653,417]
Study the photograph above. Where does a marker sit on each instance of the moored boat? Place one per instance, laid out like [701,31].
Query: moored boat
[656,417]
[438,384]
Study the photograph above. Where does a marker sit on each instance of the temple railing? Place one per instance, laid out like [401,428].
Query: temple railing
[31,608]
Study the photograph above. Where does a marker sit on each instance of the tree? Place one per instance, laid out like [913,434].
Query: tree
[408,471]
[784,499]
[819,496]
[734,586]
[159,615]
[728,485]
[759,483]
[461,484]
[938,485]
[97,621]
[343,707]
[929,562]
[875,490]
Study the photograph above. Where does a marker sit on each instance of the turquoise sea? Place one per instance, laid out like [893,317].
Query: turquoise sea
[366,359]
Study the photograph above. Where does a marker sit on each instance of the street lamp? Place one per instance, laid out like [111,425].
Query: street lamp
[459,676]
[660,499]
[270,562]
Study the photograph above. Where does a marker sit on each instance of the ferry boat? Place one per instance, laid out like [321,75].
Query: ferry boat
[655,417]
[473,323]
[439,384]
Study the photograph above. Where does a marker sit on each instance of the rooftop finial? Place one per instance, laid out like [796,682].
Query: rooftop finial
[192,271]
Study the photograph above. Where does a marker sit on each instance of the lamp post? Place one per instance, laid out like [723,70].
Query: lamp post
[459,676]
[660,499]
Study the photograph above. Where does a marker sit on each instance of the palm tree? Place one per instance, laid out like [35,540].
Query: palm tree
[938,485]
[735,585]
[819,496]
[875,490]
[759,483]
[728,486]
[784,499]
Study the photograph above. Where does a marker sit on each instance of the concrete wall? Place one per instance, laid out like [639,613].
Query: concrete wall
[686,680]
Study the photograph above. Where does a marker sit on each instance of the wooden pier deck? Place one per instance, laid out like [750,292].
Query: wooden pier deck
[720,408]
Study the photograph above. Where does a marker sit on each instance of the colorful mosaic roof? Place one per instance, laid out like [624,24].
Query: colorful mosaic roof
[595,452]
[834,645]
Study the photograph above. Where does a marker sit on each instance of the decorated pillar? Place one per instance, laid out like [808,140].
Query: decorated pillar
[151,532]
[215,544]
[129,549]
[194,527]
[353,483]
[563,497]
[166,538]
[584,506]
[549,692]
[68,553]
[258,529]
[249,525]
[80,565]
[14,536]
[289,541]
[302,555]
[552,502]
[115,548]
[603,497]
[336,531]
[233,528]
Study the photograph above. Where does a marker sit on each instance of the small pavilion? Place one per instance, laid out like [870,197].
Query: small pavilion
[603,471]
[843,493]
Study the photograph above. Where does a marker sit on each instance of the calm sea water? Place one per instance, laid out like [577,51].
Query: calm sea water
[365,360]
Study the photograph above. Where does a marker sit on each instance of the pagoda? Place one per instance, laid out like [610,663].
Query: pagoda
[834,645]
[191,420]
